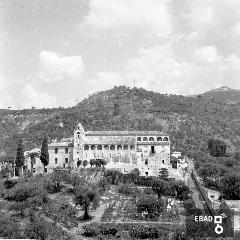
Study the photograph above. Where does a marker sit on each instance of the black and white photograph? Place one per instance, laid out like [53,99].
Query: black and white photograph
[120,119]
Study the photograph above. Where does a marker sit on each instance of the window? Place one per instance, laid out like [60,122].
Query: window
[159,139]
[163,161]
[152,149]
[99,147]
[119,147]
[56,150]
[125,147]
[56,160]
[106,147]
[139,138]
[66,150]
[86,147]
[112,147]
[78,136]
[132,147]
[145,139]
[66,160]
[165,139]
[146,161]
[146,173]
[151,139]
[93,147]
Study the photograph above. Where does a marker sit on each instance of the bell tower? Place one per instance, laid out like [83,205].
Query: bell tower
[79,138]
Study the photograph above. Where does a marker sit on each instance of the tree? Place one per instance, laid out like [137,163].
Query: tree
[33,159]
[44,157]
[159,187]
[79,162]
[103,162]
[92,162]
[84,197]
[217,148]
[85,163]
[164,173]
[150,205]
[20,156]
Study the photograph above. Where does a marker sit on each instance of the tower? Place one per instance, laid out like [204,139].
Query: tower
[79,138]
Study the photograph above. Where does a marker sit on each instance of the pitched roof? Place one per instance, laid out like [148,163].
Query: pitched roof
[121,140]
[124,133]
[233,204]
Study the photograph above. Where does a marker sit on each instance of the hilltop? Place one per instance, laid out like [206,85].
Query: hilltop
[223,95]
[189,121]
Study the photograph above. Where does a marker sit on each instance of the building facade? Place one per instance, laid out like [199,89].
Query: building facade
[149,151]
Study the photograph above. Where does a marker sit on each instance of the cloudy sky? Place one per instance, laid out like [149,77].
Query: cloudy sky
[57,52]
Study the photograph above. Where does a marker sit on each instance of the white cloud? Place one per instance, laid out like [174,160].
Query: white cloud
[55,67]
[206,54]
[102,81]
[6,99]
[159,69]
[36,98]
[145,16]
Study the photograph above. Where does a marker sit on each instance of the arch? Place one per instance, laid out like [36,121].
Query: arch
[112,147]
[145,138]
[132,147]
[139,139]
[106,147]
[86,147]
[93,147]
[151,139]
[99,147]
[165,139]
[159,139]
[119,147]
[125,147]
[78,133]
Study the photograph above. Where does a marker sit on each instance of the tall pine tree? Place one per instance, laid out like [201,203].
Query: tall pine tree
[44,157]
[20,157]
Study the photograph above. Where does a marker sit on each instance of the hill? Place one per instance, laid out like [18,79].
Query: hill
[189,121]
[223,94]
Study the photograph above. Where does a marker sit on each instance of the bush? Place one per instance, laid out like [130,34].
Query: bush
[147,232]
[22,191]
[150,205]
[9,227]
[9,183]
[40,229]
[91,230]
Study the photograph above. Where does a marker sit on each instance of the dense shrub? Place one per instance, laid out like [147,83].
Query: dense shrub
[9,227]
[150,206]
[91,230]
[23,191]
[9,183]
[40,229]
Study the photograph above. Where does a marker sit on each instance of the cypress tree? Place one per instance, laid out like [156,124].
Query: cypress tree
[44,157]
[20,156]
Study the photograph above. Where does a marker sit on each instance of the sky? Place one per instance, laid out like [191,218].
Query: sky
[56,52]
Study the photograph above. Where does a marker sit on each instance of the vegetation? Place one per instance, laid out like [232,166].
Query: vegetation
[20,157]
[44,157]
[84,197]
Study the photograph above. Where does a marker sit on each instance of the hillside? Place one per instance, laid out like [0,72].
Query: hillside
[190,121]
[223,95]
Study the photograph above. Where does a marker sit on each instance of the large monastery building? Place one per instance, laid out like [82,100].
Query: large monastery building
[149,151]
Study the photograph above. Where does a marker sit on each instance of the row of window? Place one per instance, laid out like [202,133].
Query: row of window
[56,160]
[56,150]
[146,162]
[107,147]
[151,139]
